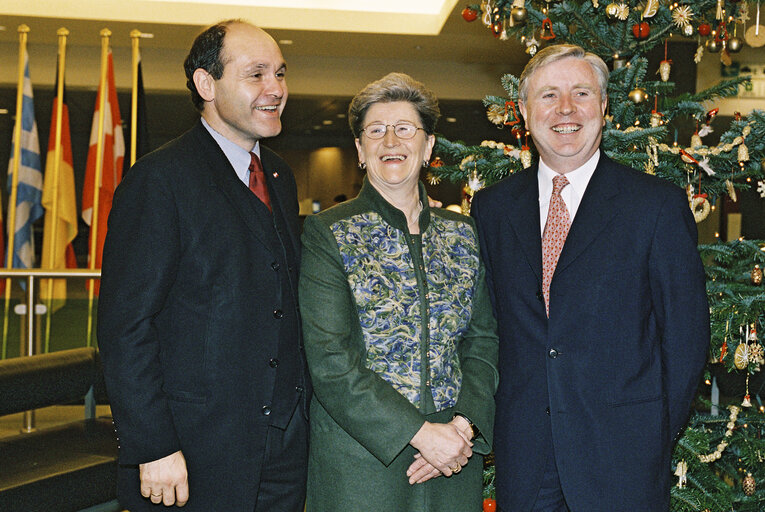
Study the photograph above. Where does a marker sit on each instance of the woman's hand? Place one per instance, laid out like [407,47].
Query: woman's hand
[443,446]
[421,470]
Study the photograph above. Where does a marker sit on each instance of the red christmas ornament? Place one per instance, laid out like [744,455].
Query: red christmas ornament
[469,14]
[489,505]
[705,29]
[641,30]
[437,162]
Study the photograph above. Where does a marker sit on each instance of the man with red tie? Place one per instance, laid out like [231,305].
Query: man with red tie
[198,323]
[599,294]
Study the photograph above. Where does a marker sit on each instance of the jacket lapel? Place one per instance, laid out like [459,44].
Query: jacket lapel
[223,177]
[599,205]
[523,215]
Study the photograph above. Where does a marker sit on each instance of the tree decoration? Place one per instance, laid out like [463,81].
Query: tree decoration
[705,29]
[612,11]
[756,275]
[641,30]
[623,12]
[761,188]
[682,17]
[651,8]
[469,14]
[748,485]
[638,95]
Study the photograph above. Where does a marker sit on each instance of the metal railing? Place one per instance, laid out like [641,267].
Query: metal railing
[32,327]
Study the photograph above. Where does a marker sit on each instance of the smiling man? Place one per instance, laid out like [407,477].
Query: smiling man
[198,323]
[600,299]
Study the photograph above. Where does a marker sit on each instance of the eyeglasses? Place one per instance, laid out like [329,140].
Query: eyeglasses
[402,130]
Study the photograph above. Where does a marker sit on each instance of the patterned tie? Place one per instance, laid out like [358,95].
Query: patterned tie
[554,236]
[258,180]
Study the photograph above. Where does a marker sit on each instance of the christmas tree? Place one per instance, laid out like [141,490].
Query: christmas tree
[720,460]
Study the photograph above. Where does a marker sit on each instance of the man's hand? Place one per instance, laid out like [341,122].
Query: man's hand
[165,480]
[443,446]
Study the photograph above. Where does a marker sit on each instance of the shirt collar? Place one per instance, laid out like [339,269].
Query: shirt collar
[238,157]
[578,178]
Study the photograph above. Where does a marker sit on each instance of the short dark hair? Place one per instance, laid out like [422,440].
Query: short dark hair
[205,53]
[394,87]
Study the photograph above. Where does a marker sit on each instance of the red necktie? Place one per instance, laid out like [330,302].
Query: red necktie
[258,181]
[554,236]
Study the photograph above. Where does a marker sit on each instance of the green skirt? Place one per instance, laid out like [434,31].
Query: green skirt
[344,477]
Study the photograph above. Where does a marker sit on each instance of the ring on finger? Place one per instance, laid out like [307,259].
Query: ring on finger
[157,495]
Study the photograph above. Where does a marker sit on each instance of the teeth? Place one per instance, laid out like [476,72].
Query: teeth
[269,108]
[565,129]
[392,157]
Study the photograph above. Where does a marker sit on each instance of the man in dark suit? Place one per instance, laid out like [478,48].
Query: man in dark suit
[198,323]
[601,353]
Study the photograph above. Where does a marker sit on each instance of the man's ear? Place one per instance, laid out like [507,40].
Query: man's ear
[205,84]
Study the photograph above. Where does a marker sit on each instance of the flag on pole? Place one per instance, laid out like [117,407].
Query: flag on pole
[30,181]
[112,157]
[57,252]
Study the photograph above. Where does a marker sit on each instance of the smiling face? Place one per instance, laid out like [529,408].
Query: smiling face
[564,113]
[246,103]
[393,164]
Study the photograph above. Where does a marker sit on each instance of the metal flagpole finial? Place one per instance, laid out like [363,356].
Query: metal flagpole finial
[23,28]
[62,32]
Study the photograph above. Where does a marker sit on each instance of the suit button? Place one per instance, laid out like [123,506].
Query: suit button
[540,296]
[547,411]
[273,363]
[275,265]
[266,410]
[299,389]
[552,354]
[278,313]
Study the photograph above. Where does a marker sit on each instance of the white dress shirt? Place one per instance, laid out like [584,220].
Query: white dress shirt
[238,157]
[571,194]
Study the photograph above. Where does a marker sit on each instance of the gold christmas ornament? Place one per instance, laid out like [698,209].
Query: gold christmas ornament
[743,153]
[651,8]
[715,455]
[681,17]
[756,276]
[495,114]
[623,12]
[700,208]
[731,190]
[519,15]
[612,11]
[735,44]
[638,95]
[741,356]
[713,46]
[687,30]
[749,485]
[526,158]
[696,140]
[664,68]
[699,54]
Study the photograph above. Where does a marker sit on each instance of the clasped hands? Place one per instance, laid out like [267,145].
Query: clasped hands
[443,448]
[165,480]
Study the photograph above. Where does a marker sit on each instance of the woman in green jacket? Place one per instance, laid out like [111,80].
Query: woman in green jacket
[399,333]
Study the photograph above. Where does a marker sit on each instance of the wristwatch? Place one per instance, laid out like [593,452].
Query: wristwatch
[473,428]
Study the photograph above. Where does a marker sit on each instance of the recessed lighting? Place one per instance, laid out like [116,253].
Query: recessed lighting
[341,116]
[3,110]
[285,42]
[327,122]
[451,119]
[316,127]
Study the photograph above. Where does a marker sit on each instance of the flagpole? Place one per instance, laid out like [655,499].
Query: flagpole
[62,35]
[97,179]
[135,35]
[23,31]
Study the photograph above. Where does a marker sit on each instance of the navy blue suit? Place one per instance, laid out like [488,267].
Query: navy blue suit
[608,379]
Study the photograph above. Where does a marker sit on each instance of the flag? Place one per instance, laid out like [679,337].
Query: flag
[57,252]
[30,181]
[112,157]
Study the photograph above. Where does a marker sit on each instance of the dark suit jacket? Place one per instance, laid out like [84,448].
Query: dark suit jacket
[609,378]
[196,298]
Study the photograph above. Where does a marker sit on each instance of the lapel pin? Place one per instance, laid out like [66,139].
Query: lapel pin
[276,175]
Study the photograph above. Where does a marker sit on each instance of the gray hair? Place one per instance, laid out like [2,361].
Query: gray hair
[394,87]
[557,52]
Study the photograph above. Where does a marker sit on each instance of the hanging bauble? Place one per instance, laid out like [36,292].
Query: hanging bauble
[664,68]
[612,12]
[713,46]
[741,356]
[489,505]
[638,95]
[437,162]
[735,44]
[748,485]
[519,15]
[641,30]
[705,29]
[469,14]
[496,29]
[688,30]
[756,276]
